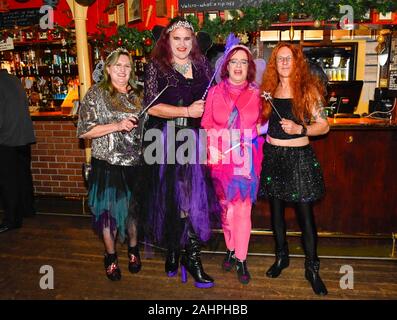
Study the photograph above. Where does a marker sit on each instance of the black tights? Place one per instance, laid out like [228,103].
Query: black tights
[304,213]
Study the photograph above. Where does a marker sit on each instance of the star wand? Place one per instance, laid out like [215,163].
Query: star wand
[269,98]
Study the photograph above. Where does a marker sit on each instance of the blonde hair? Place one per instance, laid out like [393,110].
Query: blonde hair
[111,60]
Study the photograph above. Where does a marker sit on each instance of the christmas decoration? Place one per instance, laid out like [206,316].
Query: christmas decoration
[148,42]
[251,19]
[317,23]
[133,40]
[243,38]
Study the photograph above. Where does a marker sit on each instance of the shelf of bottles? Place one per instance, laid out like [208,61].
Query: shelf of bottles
[48,72]
[336,68]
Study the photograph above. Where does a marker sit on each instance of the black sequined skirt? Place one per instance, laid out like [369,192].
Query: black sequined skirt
[291,174]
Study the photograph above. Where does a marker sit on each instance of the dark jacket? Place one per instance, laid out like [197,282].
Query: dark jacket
[16,127]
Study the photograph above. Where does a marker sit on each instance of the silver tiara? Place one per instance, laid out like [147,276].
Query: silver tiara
[180,23]
[118,50]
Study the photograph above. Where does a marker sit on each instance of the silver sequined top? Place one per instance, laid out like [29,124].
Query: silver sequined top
[98,108]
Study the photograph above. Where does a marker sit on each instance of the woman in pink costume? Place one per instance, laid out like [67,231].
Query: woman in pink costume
[231,118]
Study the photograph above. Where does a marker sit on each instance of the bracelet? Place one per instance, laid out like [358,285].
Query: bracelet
[187,110]
[304,130]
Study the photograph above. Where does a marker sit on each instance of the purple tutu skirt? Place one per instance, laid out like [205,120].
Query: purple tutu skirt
[182,196]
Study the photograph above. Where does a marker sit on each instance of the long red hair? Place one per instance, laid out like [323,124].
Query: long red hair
[307,91]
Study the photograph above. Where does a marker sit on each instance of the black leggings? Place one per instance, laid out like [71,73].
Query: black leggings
[304,213]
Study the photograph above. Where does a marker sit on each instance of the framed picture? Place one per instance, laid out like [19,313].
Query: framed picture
[134,10]
[112,18]
[120,14]
[212,15]
[161,8]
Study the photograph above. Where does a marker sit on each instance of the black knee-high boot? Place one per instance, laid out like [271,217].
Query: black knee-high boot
[172,262]
[173,250]
[191,262]
[309,239]
[279,232]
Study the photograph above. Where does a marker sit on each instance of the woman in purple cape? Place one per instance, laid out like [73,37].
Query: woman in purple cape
[181,201]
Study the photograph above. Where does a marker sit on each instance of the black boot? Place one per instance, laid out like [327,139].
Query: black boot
[312,268]
[191,262]
[134,259]
[113,271]
[242,272]
[229,260]
[282,262]
[172,262]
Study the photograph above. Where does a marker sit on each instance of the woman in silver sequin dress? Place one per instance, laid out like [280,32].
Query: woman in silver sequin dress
[108,116]
[290,170]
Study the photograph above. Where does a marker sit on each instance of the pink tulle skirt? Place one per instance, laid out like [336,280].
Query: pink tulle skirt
[239,179]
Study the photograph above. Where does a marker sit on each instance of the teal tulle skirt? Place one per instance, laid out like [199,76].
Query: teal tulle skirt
[113,196]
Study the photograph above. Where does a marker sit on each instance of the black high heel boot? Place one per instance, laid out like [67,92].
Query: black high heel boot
[229,260]
[312,268]
[242,271]
[191,262]
[282,262]
[134,259]
[172,262]
[112,269]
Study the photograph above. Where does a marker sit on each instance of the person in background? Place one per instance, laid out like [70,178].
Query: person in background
[181,197]
[235,105]
[108,116]
[16,137]
[290,170]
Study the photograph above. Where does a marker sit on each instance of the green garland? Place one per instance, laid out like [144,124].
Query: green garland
[253,19]
[133,40]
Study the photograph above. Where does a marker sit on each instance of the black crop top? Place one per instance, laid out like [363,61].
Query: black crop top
[284,108]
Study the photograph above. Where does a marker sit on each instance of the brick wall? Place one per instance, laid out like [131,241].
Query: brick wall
[57,159]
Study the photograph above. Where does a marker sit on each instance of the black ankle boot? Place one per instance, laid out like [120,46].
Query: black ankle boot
[134,259]
[113,271]
[312,268]
[229,261]
[172,262]
[191,262]
[242,272]
[282,262]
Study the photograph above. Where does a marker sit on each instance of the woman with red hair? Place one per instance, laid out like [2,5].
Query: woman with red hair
[290,170]
[232,113]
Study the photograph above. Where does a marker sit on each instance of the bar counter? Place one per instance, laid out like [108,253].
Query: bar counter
[358,157]
[359,161]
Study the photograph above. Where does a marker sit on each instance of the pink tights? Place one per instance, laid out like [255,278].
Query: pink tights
[236,225]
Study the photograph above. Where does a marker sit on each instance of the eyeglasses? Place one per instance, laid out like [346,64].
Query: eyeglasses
[235,62]
[119,66]
[281,59]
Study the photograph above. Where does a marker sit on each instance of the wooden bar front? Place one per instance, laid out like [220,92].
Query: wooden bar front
[359,161]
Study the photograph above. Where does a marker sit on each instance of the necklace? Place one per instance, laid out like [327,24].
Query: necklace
[182,68]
